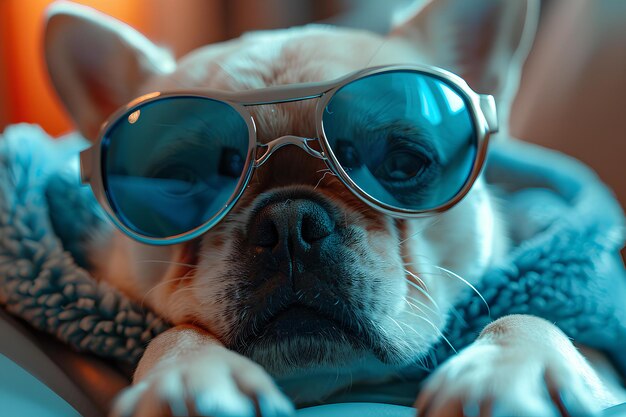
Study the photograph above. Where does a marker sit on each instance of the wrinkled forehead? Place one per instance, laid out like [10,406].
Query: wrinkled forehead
[298,55]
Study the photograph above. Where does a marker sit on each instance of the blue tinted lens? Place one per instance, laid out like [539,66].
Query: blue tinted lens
[405,138]
[172,164]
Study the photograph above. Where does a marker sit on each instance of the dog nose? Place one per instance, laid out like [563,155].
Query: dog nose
[290,226]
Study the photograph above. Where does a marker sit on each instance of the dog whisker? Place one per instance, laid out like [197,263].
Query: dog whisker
[457,315]
[158,261]
[160,284]
[379,327]
[448,273]
[376,52]
[396,323]
[420,363]
[420,231]
[430,323]
[415,300]
[415,255]
[417,278]
[184,289]
[421,336]
[463,280]
[322,179]
[423,292]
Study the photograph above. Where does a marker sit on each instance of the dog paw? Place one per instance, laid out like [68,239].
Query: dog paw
[216,383]
[492,380]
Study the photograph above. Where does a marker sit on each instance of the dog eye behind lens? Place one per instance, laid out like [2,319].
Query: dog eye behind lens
[402,165]
[408,168]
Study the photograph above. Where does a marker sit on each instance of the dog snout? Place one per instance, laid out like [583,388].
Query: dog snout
[291,235]
[290,226]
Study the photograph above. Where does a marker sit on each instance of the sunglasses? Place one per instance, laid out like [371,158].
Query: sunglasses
[409,141]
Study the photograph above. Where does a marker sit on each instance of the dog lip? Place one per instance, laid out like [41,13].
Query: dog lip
[297,307]
[303,319]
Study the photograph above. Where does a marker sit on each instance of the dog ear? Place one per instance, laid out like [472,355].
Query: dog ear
[97,63]
[483,41]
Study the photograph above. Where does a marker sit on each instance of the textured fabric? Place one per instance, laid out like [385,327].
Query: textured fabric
[564,266]
[41,277]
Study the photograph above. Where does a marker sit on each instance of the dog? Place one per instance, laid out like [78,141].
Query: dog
[388,271]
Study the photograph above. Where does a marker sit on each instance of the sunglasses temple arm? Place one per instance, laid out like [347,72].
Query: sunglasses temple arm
[487,105]
[86,165]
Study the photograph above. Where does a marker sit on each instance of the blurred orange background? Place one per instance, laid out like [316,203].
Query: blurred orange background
[25,92]
[572,97]
[27,95]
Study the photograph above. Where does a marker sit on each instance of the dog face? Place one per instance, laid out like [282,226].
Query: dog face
[301,275]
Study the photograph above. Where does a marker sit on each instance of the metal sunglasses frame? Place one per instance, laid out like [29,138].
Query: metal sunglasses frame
[481,107]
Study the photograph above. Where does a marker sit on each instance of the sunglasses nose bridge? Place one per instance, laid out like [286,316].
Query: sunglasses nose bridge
[299,141]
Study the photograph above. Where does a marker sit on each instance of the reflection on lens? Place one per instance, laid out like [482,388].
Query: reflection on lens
[405,138]
[172,164]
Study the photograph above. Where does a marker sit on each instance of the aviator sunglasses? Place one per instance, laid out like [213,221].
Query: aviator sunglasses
[407,140]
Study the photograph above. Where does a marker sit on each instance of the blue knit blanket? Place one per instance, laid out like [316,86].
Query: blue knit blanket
[564,266]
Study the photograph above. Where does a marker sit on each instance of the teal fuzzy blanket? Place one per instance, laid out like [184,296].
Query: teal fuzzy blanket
[565,264]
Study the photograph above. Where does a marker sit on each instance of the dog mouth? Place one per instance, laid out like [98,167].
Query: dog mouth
[298,319]
[300,336]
